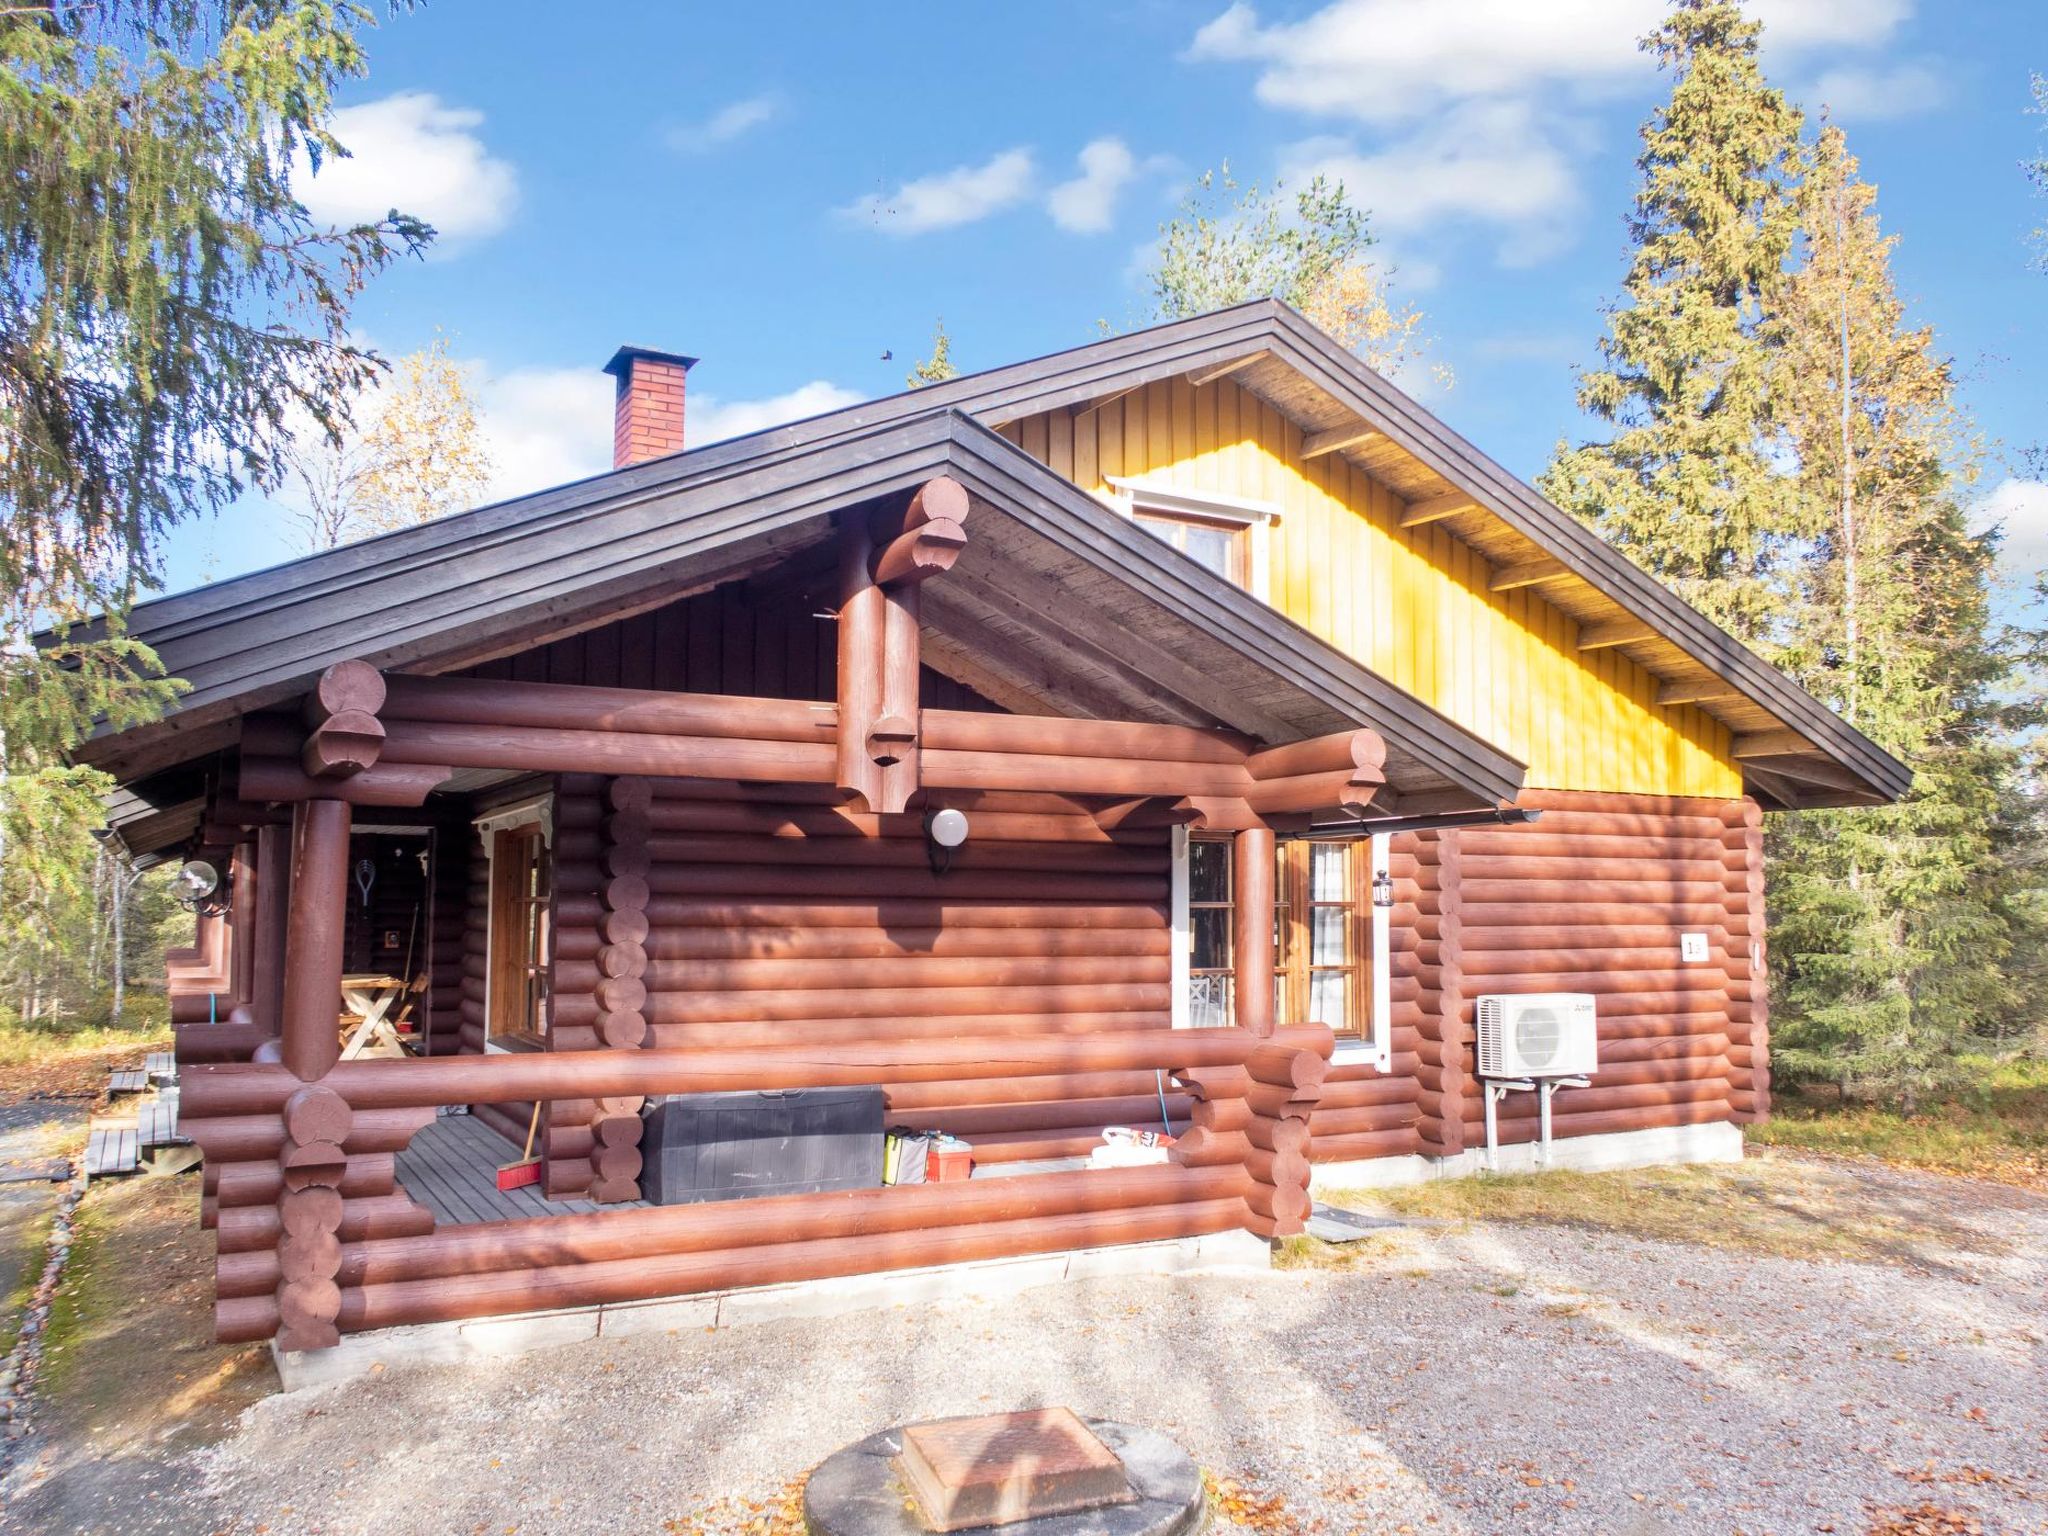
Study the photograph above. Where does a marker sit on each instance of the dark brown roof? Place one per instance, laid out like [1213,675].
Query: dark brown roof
[1107,615]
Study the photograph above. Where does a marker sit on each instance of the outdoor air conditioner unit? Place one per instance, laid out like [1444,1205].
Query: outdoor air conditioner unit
[1549,1034]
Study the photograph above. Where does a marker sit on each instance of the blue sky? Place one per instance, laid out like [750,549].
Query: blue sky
[788,193]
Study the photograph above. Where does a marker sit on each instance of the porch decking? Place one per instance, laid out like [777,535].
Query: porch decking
[451,1168]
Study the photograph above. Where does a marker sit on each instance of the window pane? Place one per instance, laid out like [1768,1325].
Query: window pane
[1211,934]
[1327,934]
[1329,998]
[1168,528]
[1280,998]
[1210,547]
[1208,870]
[1209,1002]
[1329,872]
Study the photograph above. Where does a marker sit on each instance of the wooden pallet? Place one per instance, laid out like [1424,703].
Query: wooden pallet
[158,1123]
[128,1080]
[112,1149]
[162,1066]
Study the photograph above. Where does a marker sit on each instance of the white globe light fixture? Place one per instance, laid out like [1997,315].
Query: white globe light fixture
[944,831]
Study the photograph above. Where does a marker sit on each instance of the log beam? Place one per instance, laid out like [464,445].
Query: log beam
[1434,509]
[1711,690]
[1530,573]
[1352,435]
[1612,632]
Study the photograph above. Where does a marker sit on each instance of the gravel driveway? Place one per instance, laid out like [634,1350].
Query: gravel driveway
[1472,1378]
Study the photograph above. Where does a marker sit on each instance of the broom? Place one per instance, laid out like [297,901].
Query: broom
[527,1170]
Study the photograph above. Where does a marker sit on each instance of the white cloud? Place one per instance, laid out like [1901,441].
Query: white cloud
[544,426]
[414,154]
[1486,161]
[1477,112]
[712,420]
[1856,94]
[1386,61]
[1087,204]
[1792,24]
[547,426]
[724,125]
[2020,509]
[962,195]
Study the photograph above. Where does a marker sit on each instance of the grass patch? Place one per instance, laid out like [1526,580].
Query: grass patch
[1997,1128]
[44,1058]
[1789,1207]
[129,1361]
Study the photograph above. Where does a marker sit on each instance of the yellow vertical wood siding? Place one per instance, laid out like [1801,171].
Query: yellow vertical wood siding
[1411,604]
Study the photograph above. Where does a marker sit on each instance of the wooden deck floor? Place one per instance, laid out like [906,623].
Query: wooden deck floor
[451,1168]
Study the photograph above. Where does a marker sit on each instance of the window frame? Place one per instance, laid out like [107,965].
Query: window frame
[538,965]
[1365,1033]
[1251,521]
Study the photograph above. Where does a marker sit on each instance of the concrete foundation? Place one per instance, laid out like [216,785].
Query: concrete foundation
[1665,1145]
[496,1337]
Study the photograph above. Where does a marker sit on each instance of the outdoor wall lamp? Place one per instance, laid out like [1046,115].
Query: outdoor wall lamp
[193,883]
[1382,888]
[944,830]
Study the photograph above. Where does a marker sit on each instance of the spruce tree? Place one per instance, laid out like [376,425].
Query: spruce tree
[169,313]
[1892,924]
[1686,484]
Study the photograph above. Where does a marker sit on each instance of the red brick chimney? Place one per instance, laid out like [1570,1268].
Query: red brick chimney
[647,415]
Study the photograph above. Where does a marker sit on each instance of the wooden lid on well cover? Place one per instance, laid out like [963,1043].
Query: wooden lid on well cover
[1003,1467]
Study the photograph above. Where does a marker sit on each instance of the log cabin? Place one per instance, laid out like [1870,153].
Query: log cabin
[1273,725]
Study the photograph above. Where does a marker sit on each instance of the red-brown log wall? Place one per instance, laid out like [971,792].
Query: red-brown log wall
[1594,898]
[774,922]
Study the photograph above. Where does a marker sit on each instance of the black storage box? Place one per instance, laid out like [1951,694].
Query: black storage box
[729,1146]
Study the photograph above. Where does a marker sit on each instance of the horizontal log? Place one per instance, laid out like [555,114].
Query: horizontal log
[906,971]
[680,946]
[976,855]
[947,910]
[1351,1122]
[384,784]
[255,1229]
[746,1034]
[1365,1145]
[944,769]
[572,1285]
[1068,1114]
[1361,752]
[801,823]
[252,1138]
[694,1007]
[730,881]
[1279,1067]
[368,1173]
[909,1098]
[510,1078]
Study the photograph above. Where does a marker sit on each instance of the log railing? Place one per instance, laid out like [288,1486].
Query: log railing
[315,1239]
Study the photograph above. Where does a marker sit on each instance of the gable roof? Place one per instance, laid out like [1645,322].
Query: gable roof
[1794,750]
[435,597]
[1067,602]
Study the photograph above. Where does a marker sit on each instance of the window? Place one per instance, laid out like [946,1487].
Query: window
[1319,931]
[1210,966]
[1226,534]
[1221,547]
[522,888]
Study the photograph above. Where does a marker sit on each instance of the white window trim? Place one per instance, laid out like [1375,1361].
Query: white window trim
[1256,517]
[1183,930]
[540,810]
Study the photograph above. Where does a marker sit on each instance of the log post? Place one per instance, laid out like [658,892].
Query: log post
[242,898]
[862,628]
[269,905]
[1252,872]
[313,942]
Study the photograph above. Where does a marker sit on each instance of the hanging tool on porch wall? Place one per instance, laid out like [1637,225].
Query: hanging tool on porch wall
[527,1170]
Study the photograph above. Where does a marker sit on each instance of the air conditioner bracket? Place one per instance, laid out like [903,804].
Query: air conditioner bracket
[1498,1088]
